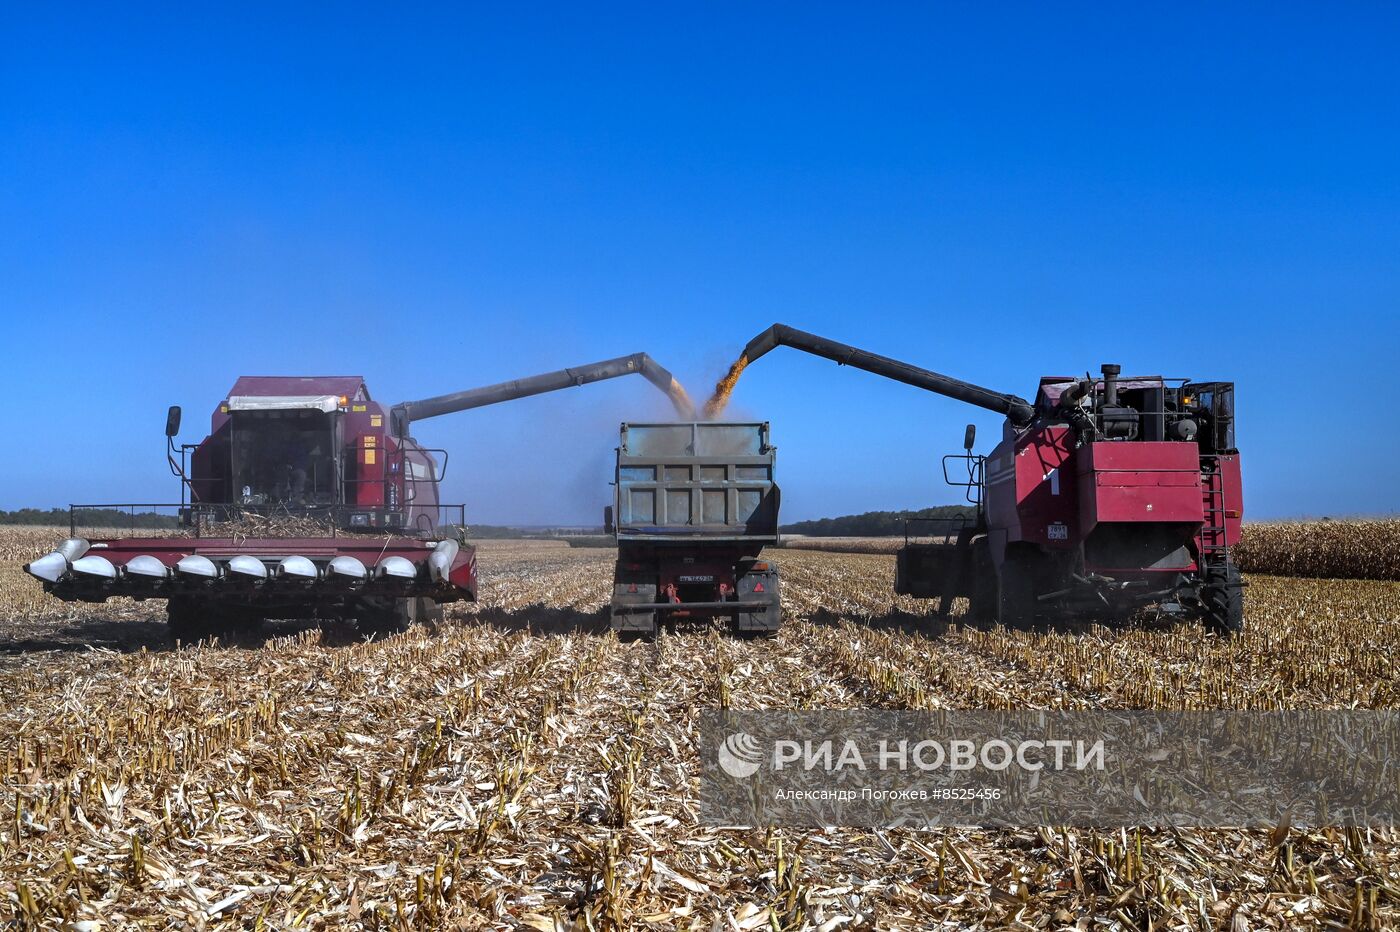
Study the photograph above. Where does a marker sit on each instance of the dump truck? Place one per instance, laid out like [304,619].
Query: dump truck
[694,504]
[307,499]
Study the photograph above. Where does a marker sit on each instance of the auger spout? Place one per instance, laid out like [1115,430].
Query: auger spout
[1018,410]
[637,363]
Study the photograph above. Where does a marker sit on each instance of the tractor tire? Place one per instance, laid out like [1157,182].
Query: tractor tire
[1016,602]
[1222,595]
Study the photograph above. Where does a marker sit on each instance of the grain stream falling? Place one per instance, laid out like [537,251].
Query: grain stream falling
[724,388]
[517,767]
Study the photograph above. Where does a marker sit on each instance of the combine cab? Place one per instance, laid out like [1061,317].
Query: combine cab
[308,499]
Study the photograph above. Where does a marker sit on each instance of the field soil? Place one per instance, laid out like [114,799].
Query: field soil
[516,766]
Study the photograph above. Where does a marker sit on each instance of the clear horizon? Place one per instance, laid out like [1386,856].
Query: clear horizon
[467,196]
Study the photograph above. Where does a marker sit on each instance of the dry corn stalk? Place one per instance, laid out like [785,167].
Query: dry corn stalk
[517,768]
[1359,549]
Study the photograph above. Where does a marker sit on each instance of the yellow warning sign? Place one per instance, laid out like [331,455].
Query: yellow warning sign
[357,408]
[369,457]
[376,420]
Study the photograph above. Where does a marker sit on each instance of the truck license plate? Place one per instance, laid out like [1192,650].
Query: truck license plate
[691,579]
[1058,532]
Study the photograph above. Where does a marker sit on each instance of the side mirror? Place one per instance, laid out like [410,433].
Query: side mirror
[607,519]
[172,421]
[969,437]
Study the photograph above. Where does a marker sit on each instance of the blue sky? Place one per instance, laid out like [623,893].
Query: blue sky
[438,198]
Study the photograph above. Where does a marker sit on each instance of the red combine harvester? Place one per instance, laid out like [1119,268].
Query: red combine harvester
[1103,497]
[305,453]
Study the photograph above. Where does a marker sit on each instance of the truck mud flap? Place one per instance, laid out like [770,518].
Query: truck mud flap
[628,618]
[762,587]
[634,624]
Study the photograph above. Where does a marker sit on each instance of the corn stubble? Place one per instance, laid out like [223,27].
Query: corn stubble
[514,766]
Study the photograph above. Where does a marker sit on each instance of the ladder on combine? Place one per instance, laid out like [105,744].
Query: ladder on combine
[1214,544]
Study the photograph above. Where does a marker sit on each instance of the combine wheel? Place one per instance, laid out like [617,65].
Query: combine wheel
[425,611]
[191,620]
[1222,594]
[385,616]
[1016,592]
[982,602]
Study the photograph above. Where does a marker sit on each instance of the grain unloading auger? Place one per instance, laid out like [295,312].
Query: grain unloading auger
[308,499]
[1103,497]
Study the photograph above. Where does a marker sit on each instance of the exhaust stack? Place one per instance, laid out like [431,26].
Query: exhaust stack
[1110,384]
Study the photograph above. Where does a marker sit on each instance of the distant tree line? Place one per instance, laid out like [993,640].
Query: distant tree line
[505,532]
[493,532]
[874,523]
[88,517]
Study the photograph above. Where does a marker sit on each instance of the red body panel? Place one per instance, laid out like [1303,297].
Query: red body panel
[1234,496]
[1031,488]
[1139,482]
[1042,492]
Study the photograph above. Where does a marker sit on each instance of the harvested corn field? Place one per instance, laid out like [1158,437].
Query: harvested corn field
[516,766]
